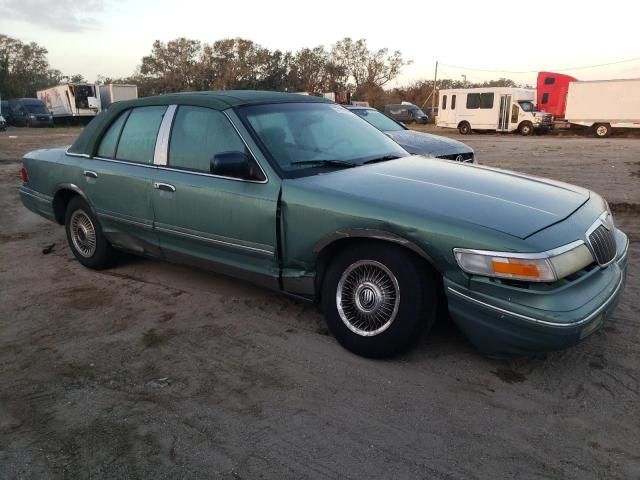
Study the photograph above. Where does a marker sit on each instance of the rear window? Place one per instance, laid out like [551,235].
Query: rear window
[138,139]
[444,102]
[549,80]
[486,100]
[107,148]
[453,102]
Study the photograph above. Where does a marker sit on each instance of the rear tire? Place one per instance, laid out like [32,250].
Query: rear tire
[464,128]
[85,237]
[377,299]
[602,130]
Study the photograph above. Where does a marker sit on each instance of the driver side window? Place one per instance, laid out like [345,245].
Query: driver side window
[198,134]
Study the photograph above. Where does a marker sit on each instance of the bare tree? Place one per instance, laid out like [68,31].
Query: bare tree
[369,70]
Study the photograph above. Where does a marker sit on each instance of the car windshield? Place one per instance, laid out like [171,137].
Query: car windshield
[526,106]
[307,138]
[417,111]
[378,120]
[35,108]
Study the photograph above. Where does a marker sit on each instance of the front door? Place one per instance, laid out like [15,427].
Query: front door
[119,180]
[505,113]
[228,224]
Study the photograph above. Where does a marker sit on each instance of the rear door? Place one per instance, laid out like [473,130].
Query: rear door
[119,179]
[228,224]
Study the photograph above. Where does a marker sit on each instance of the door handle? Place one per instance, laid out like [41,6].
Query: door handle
[90,174]
[164,186]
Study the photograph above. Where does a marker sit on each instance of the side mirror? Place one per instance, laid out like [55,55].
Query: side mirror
[231,164]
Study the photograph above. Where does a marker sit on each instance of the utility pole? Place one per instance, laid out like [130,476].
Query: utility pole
[433,93]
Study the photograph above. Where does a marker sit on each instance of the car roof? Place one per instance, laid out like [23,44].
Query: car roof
[223,99]
[217,100]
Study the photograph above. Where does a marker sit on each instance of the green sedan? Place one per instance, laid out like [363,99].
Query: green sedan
[297,194]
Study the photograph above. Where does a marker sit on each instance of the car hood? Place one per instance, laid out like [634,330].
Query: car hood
[512,203]
[420,143]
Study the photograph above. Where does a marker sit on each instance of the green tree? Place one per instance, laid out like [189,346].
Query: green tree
[234,63]
[172,67]
[24,68]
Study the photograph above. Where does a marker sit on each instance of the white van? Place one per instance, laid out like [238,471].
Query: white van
[503,109]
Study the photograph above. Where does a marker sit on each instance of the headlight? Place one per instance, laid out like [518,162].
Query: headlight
[32,116]
[532,267]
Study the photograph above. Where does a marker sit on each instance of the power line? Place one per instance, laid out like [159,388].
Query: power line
[536,71]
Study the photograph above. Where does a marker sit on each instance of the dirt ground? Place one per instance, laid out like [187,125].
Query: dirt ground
[152,370]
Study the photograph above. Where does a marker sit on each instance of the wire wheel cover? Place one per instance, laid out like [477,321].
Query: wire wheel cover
[83,233]
[367,297]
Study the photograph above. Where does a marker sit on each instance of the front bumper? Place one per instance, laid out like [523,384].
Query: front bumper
[540,321]
[543,126]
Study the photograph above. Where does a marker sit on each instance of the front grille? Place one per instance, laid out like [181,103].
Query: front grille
[464,157]
[603,244]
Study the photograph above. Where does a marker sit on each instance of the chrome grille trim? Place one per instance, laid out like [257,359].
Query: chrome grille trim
[601,239]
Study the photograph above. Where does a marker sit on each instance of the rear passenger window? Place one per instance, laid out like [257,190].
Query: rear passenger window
[444,102]
[198,134]
[473,100]
[138,139]
[549,80]
[486,100]
[453,102]
[107,148]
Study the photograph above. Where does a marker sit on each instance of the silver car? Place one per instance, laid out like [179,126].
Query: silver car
[417,143]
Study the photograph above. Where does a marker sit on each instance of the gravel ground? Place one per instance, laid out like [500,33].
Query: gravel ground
[155,370]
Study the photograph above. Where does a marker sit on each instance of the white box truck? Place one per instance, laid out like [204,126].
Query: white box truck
[604,105]
[71,100]
[113,92]
[503,109]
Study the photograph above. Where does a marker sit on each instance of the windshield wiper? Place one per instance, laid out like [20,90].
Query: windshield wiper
[381,159]
[325,163]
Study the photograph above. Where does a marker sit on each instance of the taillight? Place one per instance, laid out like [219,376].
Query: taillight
[24,175]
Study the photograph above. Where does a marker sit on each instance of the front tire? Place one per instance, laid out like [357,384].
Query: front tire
[85,237]
[525,129]
[602,130]
[377,299]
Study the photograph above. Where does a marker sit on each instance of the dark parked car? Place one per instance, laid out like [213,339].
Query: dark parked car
[29,112]
[418,143]
[3,124]
[300,195]
[406,113]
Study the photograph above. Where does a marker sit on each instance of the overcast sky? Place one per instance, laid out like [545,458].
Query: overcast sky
[105,37]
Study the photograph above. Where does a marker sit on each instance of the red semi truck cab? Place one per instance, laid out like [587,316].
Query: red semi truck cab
[552,91]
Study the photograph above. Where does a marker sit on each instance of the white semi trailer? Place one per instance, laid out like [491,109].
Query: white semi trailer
[71,100]
[503,109]
[83,100]
[604,105]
